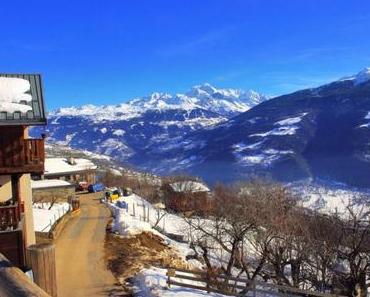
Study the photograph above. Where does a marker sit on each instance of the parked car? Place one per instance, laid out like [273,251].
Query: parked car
[96,188]
[113,194]
[82,186]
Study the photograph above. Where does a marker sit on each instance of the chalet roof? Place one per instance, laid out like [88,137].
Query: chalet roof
[50,183]
[60,166]
[21,100]
[189,186]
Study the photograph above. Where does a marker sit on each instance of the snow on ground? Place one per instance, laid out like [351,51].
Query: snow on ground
[291,121]
[367,125]
[130,222]
[332,199]
[286,127]
[171,223]
[119,132]
[265,158]
[284,130]
[44,218]
[152,282]
[127,225]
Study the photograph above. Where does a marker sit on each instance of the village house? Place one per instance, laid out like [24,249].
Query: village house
[70,169]
[184,196]
[52,190]
[21,106]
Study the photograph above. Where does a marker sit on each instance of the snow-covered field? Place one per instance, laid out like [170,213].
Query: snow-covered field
[332,199]
[141,216]
[130,222]
[44,218]
[152,281]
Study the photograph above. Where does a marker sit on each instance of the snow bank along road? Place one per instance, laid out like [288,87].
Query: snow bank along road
[81,269]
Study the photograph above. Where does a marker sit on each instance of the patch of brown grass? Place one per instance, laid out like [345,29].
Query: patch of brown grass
[127,256]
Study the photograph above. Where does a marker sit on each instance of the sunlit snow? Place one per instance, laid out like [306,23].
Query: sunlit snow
[13,95]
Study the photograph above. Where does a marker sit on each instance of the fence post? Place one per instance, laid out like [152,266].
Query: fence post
[208,281]
[41,259]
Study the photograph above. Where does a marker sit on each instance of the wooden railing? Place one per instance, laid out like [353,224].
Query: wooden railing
[233,286]
[22,156]
[9,217]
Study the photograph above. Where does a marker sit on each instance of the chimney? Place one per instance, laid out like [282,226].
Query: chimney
[71,161]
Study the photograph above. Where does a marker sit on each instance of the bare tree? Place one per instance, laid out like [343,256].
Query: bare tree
[242,226]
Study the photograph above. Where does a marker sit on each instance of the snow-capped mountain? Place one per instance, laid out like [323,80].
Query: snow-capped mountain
[214,133]
[125,131]
[224,102]
[321,132]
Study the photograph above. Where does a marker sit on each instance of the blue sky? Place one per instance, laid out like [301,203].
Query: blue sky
[105,52]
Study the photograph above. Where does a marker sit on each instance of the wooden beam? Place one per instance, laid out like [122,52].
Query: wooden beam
[13,282]
[41,258]
[16,191]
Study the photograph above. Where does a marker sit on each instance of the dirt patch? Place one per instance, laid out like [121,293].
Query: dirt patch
[127,256]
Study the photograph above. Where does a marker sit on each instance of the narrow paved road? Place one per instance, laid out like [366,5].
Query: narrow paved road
[81,270]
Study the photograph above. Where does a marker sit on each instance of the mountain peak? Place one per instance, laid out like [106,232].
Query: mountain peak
[363,76]
[201,90]
[359,78]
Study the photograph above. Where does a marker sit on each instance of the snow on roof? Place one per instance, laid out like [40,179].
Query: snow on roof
[189,186]
[115,172]
[13,95]
[49,183]
[55,166]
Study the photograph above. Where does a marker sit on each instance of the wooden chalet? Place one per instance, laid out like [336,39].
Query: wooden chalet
[187,196]
[21,106]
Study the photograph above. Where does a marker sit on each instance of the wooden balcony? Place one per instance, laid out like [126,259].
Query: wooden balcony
[22,156]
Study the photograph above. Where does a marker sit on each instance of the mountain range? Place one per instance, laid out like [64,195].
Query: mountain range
[226,134]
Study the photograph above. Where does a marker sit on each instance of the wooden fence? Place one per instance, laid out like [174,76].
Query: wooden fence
[233,286]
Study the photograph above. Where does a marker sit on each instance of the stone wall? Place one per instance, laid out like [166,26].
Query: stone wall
[49,194]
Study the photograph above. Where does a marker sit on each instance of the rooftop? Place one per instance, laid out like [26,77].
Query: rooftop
[21,100]
[49,183]
[189,186]
[55,166]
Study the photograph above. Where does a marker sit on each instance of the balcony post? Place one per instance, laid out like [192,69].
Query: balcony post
[16,193]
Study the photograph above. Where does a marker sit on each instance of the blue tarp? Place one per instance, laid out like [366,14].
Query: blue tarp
[96,188]
[121,204]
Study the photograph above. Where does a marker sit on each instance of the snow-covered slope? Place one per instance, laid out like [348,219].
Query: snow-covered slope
[320,132]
